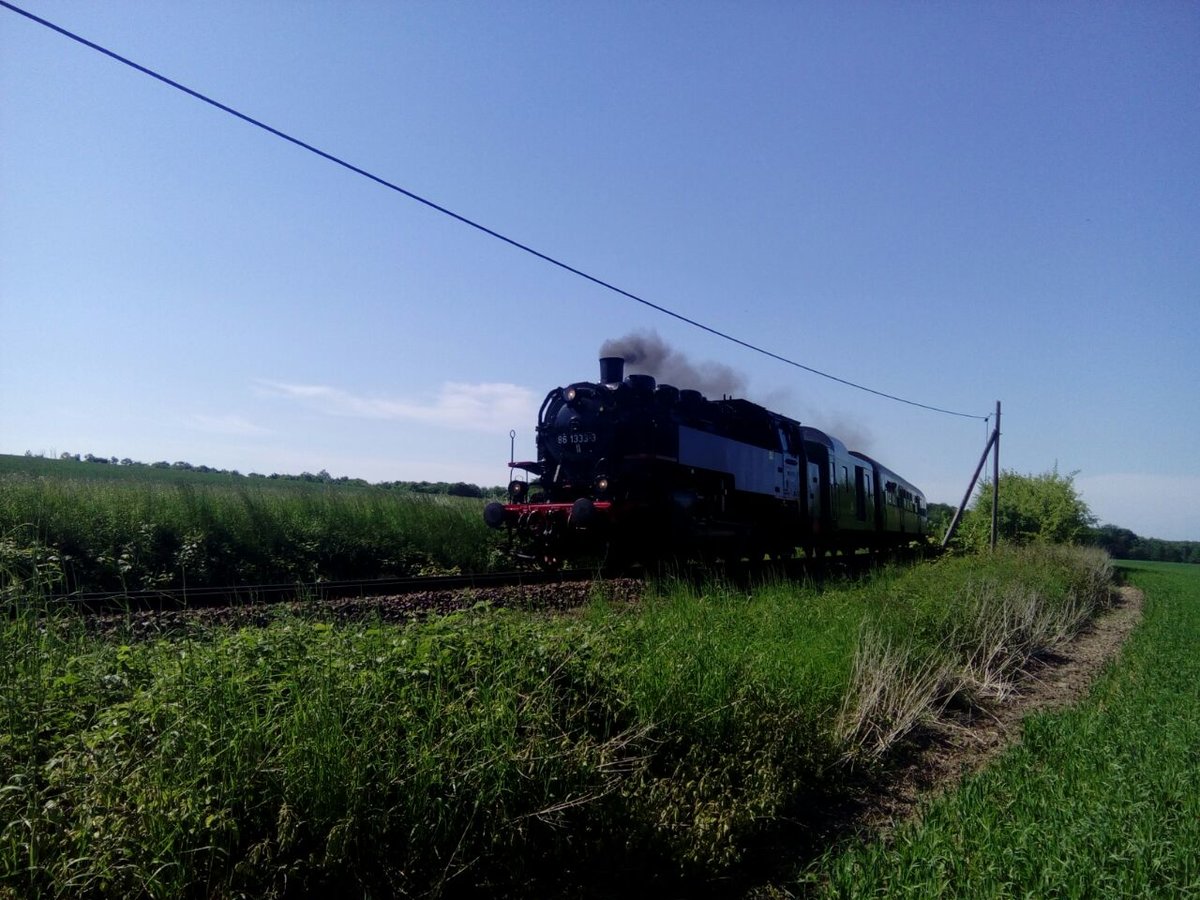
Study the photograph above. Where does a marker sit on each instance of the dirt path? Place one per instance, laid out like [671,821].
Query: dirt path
[964,746]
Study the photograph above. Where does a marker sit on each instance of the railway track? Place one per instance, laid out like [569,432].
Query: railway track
[408,598]
[263,594]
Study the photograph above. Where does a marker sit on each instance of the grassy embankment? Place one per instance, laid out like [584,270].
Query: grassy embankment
[105,527]
[492,749]
[1102,800]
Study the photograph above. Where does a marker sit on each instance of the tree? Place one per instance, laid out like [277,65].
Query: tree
[940,515]
[1033,509]
[1119,543]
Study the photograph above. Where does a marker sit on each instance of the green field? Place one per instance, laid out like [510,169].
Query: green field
[1102,800]
[684,743]
[89,527]
[493,751]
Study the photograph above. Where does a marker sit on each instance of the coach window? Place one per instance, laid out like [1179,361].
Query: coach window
[860,493]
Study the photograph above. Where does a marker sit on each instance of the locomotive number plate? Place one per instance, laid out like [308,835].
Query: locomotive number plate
[578,437]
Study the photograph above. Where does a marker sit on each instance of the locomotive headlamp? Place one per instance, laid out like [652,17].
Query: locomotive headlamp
[516,490]
[571,394]
[602,484]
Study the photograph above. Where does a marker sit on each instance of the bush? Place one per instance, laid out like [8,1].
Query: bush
[1033,509]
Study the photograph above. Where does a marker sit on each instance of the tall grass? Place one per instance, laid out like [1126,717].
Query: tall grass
[132,534]
[919,653]
[485,751]
[1102,800]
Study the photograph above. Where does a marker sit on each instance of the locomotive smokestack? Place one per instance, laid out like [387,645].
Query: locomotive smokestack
[646,353]
[612,369]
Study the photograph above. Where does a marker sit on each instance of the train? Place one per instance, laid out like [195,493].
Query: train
[635,471]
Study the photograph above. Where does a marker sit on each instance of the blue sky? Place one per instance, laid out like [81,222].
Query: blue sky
[955,203]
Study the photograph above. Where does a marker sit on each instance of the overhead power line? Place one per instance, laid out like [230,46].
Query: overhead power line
[466,221]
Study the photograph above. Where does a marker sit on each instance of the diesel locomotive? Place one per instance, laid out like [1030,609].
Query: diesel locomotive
[642,471]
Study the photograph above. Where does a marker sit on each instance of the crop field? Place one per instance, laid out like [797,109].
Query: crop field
[659,743]
[91,527]
[1102,800]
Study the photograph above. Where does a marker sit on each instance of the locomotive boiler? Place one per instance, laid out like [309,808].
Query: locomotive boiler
[638,470]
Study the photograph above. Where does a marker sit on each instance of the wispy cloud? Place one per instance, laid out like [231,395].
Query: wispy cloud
[227,424]
[483,407]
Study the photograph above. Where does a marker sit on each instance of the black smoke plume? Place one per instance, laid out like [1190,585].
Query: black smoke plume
[646,353]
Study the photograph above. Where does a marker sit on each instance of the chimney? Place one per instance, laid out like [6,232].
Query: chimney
[612,369]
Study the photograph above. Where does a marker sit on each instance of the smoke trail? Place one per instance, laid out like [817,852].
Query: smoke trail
[648,354]
[854,434]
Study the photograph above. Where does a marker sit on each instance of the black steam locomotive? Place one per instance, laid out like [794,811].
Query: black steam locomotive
[645,471]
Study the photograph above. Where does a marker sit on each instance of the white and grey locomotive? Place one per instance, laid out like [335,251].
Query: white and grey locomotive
[648,471]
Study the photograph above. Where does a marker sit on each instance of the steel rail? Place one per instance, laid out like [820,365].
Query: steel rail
[250,594]
[162,600]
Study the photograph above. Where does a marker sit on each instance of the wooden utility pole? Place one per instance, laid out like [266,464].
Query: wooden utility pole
[993,443]
[996,477]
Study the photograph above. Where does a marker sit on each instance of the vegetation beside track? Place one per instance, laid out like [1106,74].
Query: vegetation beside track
[88,527]
[491,750]
[1102,800]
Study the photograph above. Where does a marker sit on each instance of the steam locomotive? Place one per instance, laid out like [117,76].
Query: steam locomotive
[644,471]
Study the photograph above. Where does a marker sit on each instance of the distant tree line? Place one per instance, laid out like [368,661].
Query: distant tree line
[453,489]
[1121,543]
